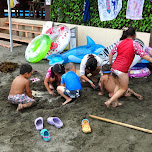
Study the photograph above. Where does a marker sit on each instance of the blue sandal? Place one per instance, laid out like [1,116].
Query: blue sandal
[45,135]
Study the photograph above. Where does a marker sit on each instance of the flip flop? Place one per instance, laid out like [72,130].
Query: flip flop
[85,126]
[45,135]
[55,121]
[39,123]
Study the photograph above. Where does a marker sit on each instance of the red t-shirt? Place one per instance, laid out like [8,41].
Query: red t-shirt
[126,50]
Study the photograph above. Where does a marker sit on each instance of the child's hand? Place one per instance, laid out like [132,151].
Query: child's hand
[92,84]
[51,92]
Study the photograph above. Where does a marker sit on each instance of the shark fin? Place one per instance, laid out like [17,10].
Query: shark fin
[90,41]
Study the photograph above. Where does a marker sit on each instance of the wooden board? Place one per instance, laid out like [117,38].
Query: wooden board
[20,30]
[7,44]
[24,24]
[16,38]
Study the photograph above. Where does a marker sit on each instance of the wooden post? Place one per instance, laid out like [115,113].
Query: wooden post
[47,10]
[150,42]
[1,9]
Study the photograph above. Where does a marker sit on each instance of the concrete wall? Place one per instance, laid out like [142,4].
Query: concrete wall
[103,36]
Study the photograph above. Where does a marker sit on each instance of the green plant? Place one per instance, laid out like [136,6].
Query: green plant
[71,11]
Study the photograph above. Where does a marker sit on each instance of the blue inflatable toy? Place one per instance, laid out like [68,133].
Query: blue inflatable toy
[76,54]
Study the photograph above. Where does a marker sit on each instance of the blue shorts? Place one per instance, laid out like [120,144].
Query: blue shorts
[72,93]
[20,98]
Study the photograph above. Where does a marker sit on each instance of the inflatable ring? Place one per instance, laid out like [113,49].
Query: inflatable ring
[61,41]
[138,72]
[37,48]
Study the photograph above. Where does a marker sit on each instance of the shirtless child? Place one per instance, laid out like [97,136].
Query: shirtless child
[108,82]
[19,84]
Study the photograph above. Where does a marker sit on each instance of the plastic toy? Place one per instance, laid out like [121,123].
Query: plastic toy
[138,72]
[37,48]
[62,40]
[76,54]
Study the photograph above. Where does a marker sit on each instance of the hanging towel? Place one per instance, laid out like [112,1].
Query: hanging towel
[86,11]
[13,3]
[134,9]
[109,9]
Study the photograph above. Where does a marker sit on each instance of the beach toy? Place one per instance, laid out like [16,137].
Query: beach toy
[39,123]
[76,54]
[35,79]
[55,121]
[37,48]
[62,39]
[138,72]
[85,126]
[45,135]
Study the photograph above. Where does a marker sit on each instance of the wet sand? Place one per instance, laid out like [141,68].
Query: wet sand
[18,133]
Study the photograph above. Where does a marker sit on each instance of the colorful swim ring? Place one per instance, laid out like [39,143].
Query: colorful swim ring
[138,72]
[37,48]
[61,41]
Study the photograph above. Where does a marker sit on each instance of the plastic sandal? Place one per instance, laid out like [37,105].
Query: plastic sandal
[39,123]
[45,135]
[85,126]
[55,121]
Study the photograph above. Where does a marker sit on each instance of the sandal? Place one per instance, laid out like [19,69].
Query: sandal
[85,126]
[45,135]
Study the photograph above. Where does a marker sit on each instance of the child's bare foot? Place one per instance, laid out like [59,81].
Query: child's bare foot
[20,106]
[116,104]
[107,103]
[100,94]
[139,96]
[68,100]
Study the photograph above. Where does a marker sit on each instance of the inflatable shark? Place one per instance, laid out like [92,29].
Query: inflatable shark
[75,55]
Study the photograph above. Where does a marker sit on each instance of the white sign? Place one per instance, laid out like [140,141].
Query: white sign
[48,2]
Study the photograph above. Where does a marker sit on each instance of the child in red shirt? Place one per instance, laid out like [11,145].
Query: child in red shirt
[126,49]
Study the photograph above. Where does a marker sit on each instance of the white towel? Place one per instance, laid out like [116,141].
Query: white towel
[109,9]
[134,9]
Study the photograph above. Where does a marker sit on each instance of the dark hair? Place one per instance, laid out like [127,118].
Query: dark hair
[25,68]
[57,68]
[91,63]
[106,67]
[128,32]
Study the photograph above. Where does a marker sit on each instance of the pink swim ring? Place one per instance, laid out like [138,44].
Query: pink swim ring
[138,72]
[61,41]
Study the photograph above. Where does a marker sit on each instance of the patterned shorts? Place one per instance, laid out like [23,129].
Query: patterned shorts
[20,98]
[72,93]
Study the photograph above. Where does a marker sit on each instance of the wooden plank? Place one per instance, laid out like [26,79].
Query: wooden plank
[7,28]
[35,25]
[7,44]
[16,38]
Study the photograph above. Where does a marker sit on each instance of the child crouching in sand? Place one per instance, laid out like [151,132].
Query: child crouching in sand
[70,84]
[19,84]
[107,81]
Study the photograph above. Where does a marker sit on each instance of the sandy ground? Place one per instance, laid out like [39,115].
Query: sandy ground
[18,133]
